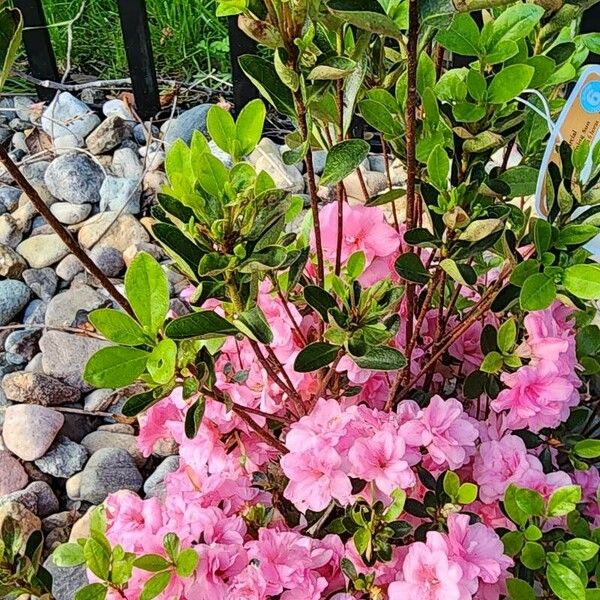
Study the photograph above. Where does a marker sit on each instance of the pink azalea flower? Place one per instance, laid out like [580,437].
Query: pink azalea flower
[500,463]
[428,573]
[537,397]
[249,585]
[315,477]
[381,459]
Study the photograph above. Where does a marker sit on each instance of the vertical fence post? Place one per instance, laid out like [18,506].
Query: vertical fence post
[38,46]
[240,44]
[138,47]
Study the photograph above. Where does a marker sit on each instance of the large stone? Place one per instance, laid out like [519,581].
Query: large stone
[64,309]
[126,163]
[74,177]
[64,459]
[42,250]
[119,108]
[42,282]
[65,356]
[38,388]
[108,229]
[12,474]
[29,430]
[23,344]
[10,232]
[120,195]
[186,123]
[14,295]
[155,484]
[26,520]
[66,581]
[109,470]
[12,264]
[68,267]
[70,214]
[108,260]
[268,158]
[97,440]
[67,114]
[107,135]
[9,198]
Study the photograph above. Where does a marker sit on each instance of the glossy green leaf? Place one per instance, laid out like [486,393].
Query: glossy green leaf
[155,585]
[254,324]
[118,327]
[221,127]
[410,267]
[343,159]
[438,168]
[249,126]
[583,281]
[203,324]
[381,358]
[315,356]
[564,582]
[193,417]
[509,83]
[115,366]
[162,361]
[461,37]
[538,292]
[151,562]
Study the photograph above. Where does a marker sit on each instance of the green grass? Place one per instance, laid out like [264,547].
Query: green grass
[188,40]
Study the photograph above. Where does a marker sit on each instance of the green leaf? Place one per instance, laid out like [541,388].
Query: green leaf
[379,117]
[512,509]
[575,235]
[93,591]
[320,300]
[171,544]
[564,500]
[155,585]
[425,73]
[438,168]
[467,493]
[332,69]
[479,230]
[519,590]
[492,363]
[221,127]
[204,324]
[501,52]
[451,484]
[162,361]
[356,265]
[187,562]
[289,77]
[583,281]
[476,85]
[254,324]
[462,37]
[580,549]
[463,274]
[523,270]
[68,555]
[533,555]
[538,292]
[588,448]
[467,112]
[410,267]
[515,23]
[365,14]
[381,358]
[11,29]
[385,198]
[564,582]
[343,159]
[315,356]
[542,235]
[264,76]
[507,335]
[115,366]
[97,559]
[521,180]
[151,562]
[212,175]
[513,542]
[396,508]
[147,290]
[179,246]
[193,418]
[140,402]
[249,126]
[509,83]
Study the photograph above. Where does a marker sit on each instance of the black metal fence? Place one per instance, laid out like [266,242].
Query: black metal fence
[136,34]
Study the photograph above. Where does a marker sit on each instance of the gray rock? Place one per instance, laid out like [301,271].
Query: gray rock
[10,232]
[77,426]
[126,163]
[35,364]
[266,157]
[66,581]
[109,134]
[95,441]
[186,123]
[140,132]
[98,400]
[42,250]
[9,197]
[74,177]
[35,313]
[108,260]
[64,459]
[155,158]
[109,229]
[65,356]
[132,251]
[38,388]
[19,125]
[14,296]
[47,503]
[12,264]
[120,194]
[63,309]
[35,171]
[107,471]
[23,344]
[71,214]
[155,484]
[119,108]
[319,158]
[43,282]
[223,156]
[67,114]
[67,143]
[23,106]
[29,430]
[7,102]
[19,142]
[68,267]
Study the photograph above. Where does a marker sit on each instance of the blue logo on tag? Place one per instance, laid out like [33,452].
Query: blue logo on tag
[590,97]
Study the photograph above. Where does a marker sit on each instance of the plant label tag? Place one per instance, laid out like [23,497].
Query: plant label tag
[579,120]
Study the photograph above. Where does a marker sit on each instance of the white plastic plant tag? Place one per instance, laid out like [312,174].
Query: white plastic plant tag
[579,120]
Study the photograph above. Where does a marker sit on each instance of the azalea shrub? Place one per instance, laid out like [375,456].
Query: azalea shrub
[384,397]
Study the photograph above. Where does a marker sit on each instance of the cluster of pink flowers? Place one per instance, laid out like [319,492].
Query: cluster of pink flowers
[212,500]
